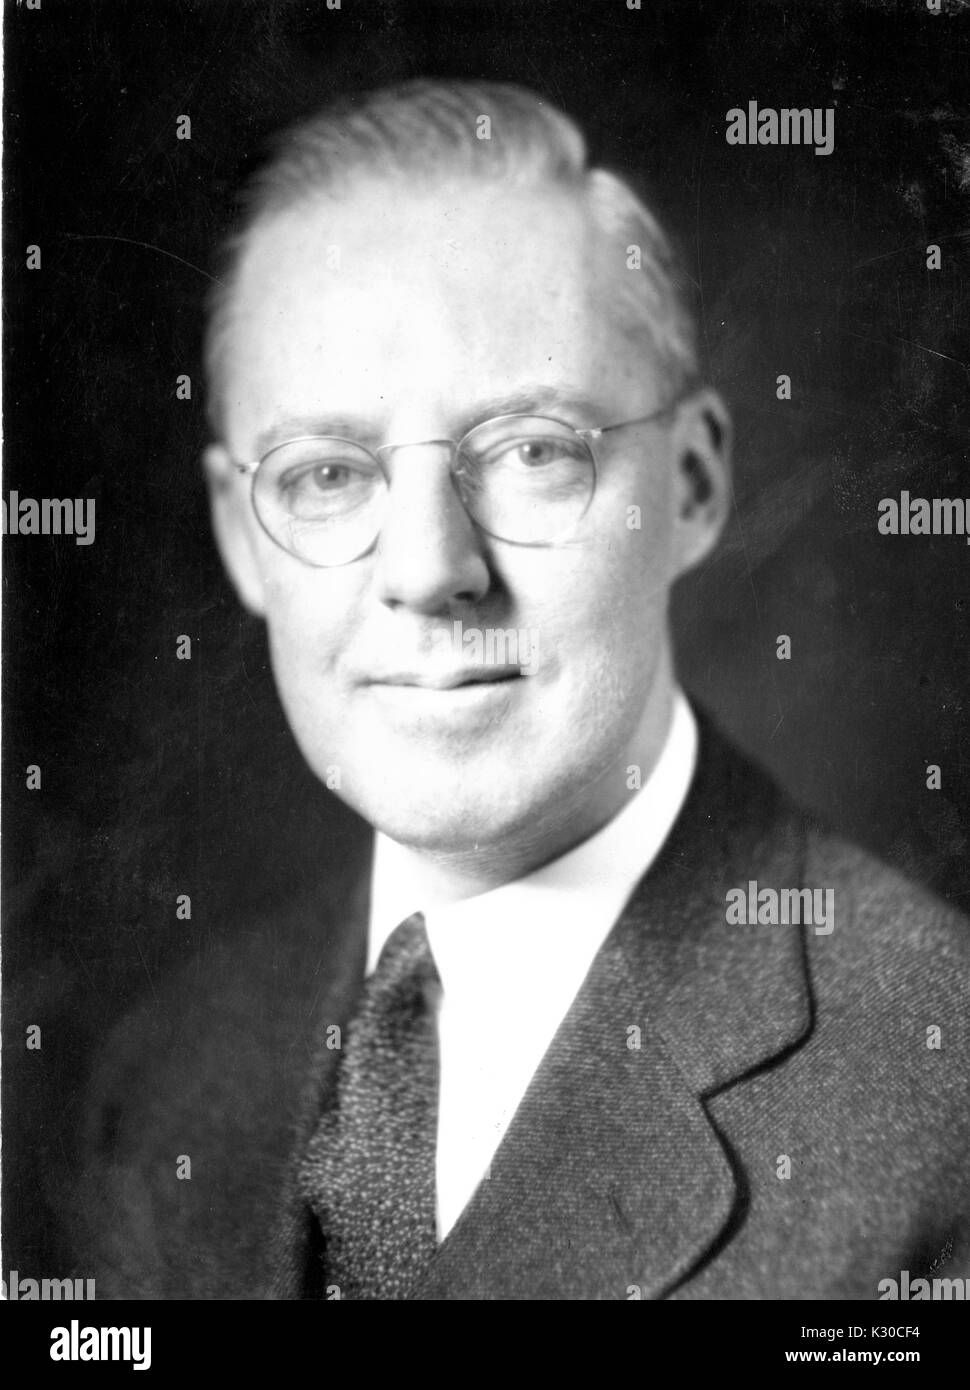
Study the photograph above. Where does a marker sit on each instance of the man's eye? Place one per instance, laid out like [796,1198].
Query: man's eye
[330,476]
[530,453]
[322,477]
[535,452]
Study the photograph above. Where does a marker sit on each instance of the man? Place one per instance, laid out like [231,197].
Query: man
[463,453]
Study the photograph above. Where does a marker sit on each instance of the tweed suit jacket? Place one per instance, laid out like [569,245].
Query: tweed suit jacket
[727,1111]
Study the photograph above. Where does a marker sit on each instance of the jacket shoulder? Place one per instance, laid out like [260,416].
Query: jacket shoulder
[897,934]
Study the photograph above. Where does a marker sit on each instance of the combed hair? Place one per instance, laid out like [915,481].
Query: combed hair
[428,130]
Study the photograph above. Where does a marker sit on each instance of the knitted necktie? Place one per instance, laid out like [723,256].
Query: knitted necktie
[369,1170]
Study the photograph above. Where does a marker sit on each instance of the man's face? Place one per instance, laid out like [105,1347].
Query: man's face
[439,310]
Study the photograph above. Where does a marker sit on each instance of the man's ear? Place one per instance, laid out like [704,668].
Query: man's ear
[701,438]
[232,522]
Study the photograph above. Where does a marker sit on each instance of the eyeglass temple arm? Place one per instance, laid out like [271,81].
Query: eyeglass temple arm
[640,420]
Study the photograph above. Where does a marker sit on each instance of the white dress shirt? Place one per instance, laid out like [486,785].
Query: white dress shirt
[512,960]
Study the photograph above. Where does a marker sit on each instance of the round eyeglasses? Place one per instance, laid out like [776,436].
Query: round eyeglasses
[525,479]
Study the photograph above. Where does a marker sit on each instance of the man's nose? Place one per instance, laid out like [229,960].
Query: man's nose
[429,554]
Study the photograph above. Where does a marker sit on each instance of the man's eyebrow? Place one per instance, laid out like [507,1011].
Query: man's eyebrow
[535,398]
[300,426]
[527,399]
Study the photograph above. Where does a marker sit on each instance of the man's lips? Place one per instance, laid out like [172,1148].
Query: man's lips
[447,680]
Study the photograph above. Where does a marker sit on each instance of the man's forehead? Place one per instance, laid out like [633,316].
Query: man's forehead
[476,293]
[456,229]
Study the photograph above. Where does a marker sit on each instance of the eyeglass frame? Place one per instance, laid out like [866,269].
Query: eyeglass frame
[586,434]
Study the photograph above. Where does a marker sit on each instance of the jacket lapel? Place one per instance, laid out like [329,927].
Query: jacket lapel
[611,1181]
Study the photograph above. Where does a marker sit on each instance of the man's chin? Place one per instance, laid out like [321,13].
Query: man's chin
[464,830]
[448,819]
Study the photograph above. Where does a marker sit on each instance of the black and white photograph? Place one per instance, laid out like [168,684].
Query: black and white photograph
[485,680]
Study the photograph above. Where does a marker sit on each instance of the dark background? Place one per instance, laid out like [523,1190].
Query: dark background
[163,777]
